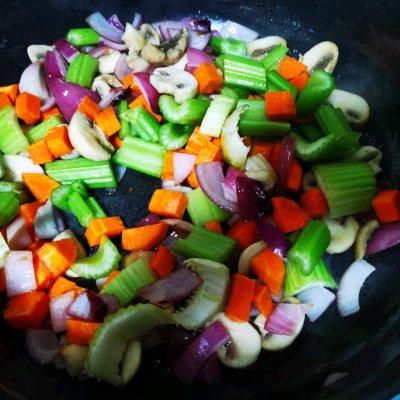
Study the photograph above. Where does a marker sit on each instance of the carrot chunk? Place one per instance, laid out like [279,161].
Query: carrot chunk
[313,202]
[81,332]
[387,205]
[110,226]
[108,121]
[162,261]
[244,233]
[89,107]
[57,141]
[280,106]
[168,203]
[27,108]
[208,78]
[40,185]
[262,300]
[39,152]
[290,68]
[144,237]
[288,215]
[61,286]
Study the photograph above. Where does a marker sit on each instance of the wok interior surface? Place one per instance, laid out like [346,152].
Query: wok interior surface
[366,346]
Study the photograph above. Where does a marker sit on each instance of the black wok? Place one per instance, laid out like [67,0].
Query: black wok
[367,345]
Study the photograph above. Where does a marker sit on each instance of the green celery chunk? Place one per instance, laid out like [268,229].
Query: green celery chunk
[309,247]
[9,208]
[17,188]
[332,120]
[12,139]
[83,36]
[281,83]
[271,60]
[228,46]
[79,208]
[60,195]
[202,210]
[125,125]
[141,156]
[98,265]
[234,92]
[95,207]
[40,131]
[82,70]
[310,132]
[174,136]
[144,122]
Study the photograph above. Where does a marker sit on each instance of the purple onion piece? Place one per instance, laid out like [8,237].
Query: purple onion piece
[142,80]
[47,104]
[173,288]
[211,372]
[285,318]
[196,57]
[114,21]
[137,21]
[88,306]
[112,303]
[104,28]
[99,51]
[200,24]
[121,68]
[193,358]
[385,237]
[55,64]
[149,219]
[112,45]
[273,237]
[68,51]
[252,200]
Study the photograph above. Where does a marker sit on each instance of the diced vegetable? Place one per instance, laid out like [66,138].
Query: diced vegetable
[9,208]
[12,139]
[168,203]
[288,215]
[109,226]
[143,237]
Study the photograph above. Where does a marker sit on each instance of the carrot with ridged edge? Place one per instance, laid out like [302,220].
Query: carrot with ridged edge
[270,269]
[51,112]
[244,232]
[290,68]
[214,226]
[144,237]
[4,100]
[110,226]
[40,153]
[314,203]
[58,256]
[39,185]
[57,141]
[208,78]
[141,101]
[89,107]
[162,262]
[27,310]
[11,91]
[27,108]
[288,215]
[61,286]
[387,205]
[262,300]
[107,121]
[240,298]
[280,106]
[168,203]
[196,141]
[81,332]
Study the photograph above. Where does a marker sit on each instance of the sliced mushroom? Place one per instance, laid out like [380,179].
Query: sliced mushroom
[248,254]
[259,48]
[150,34]
[275,342]
[136,63]
[323,55]
[258,168]
[363,235]
[86,139]
[244,346]
[70,156]
[133,38]
[108,61]
[342,236]
[309,180]
[168,52]
[369,154]
[354,107]
[180,84]
[37,52]
[102,84]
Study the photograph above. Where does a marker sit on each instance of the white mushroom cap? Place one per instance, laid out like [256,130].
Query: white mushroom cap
[259,48]
[323,55]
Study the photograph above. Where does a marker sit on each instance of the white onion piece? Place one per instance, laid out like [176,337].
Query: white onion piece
[18,237]
[319,298]
[248,254]
[32,81]
[183,164]
[42,345]
[19,273]
[348,294]
[234,30]
[170,185]
[58,311]
[15,166]
[244,345]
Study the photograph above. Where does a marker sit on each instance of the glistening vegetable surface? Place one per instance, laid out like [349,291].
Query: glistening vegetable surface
[152,158]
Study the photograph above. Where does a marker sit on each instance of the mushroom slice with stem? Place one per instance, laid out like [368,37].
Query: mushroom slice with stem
[150,34]
[259,48]
[342,236]
[102,84]
[369,154]
[135,62]
[180,84]
[363,235]
[243,348]
[323,55]
[87,139]
[354,107]
[37,52]
[108,61]
[168,52]
[133,38]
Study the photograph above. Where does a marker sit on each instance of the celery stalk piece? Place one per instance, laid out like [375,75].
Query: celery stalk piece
[132,278]
[82,70]
[174,136]
[19,189]
[12,139]
[98,265]
[296,281]
[202,210]
[95,207]
[216,115]
[203,243]
[107,348]
[309,247]
[79,208]
[9,208]
[281,83]
[244,72]
[125,125]
[271,60]
[95,174]
[40,131]
[83,36]
[141,156]
[348,187]
[310,132]
[209,299]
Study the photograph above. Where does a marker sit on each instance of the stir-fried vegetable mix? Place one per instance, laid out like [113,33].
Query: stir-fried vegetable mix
[262,173]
